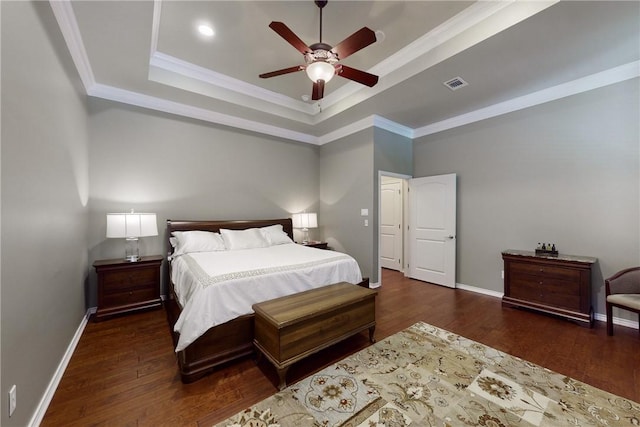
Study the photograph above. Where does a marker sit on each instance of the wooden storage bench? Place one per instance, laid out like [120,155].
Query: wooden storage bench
[290,328]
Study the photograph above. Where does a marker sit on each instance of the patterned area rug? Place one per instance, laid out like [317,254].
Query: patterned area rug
[427,376]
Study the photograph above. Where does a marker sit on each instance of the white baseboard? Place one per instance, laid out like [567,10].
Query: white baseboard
[617,321]
[477,290]
[597,316]
[41,409]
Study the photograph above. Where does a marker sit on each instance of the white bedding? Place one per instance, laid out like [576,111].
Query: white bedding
[215,287]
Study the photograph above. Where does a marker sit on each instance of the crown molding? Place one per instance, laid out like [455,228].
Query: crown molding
[159,104]
[584,84]
[393,127]
[180,74]
[68,24]
[574,87]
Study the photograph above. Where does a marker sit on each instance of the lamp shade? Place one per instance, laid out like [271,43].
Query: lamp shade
[305,220]
[131,225]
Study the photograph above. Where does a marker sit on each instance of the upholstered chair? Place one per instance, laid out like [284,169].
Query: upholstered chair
[622,291]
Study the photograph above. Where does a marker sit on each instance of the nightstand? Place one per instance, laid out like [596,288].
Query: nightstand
[319,245]
[125,287]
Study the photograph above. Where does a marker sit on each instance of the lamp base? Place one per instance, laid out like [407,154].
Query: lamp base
[131,250]
[305,236]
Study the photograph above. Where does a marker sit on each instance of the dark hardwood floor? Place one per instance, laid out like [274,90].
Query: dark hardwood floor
[124,372]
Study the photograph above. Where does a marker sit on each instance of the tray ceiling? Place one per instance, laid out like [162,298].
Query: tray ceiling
[511,54]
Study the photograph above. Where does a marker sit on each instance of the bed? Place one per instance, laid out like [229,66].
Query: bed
[224,331]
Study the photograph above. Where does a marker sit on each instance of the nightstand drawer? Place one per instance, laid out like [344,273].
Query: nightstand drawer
[130,296]
[116,281]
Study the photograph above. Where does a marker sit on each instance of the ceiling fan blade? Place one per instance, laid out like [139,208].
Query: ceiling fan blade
[289,36]
[358,76]
[356,41]
[281,72]
[318,90]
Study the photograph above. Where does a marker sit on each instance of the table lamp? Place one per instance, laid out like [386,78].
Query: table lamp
[305,221]
[131,226]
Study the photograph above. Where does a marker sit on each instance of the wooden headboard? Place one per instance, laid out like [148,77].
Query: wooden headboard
[215,226]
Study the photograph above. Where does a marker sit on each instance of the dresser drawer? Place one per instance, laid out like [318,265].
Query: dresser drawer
[117,281]
[543,270]
[526,287]
[562,294]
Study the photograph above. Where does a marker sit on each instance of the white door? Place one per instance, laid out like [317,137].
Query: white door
[432,229]
[391,225]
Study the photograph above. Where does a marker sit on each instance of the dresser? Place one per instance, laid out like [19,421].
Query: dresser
[558,284]
[125,287]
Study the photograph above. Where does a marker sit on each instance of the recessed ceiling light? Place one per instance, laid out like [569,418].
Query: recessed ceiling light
[206,30]
[380,36]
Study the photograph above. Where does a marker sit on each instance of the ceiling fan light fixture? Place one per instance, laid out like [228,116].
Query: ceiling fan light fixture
[320,70]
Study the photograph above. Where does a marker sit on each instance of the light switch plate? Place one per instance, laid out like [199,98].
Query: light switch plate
[364,212]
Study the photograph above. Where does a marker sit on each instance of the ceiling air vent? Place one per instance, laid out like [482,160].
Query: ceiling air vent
[455,83]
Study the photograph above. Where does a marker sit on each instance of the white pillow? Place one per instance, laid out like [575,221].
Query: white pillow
[243,239]
[197,241]
[275,235]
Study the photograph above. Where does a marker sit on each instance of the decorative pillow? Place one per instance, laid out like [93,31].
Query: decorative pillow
[275,235]
[196,241]
[243,239]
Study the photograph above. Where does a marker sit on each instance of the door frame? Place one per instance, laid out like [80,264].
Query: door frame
[405,218]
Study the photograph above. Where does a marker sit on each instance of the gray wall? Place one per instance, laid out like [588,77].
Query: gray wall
[565,172]
[346,186]
[349,182]
[44,199]
[392,153]
[186,169]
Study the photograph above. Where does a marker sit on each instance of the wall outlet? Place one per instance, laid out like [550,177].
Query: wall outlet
[502,273]
[12,399]
[366,222]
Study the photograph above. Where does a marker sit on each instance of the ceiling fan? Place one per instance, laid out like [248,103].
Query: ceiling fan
[322,60]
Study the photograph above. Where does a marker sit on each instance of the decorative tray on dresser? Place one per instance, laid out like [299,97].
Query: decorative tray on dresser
[555,284]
